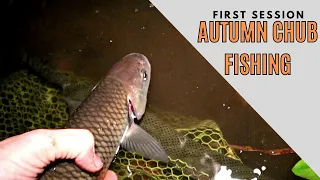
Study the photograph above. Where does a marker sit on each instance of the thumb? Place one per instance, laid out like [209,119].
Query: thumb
[77,144]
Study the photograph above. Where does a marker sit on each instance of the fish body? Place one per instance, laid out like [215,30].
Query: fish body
[109,113]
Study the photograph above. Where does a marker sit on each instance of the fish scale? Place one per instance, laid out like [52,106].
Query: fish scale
[112,121]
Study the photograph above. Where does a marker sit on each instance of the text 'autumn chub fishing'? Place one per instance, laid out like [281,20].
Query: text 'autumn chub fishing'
[264,63]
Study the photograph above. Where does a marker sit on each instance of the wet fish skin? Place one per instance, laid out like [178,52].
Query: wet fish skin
[107,114]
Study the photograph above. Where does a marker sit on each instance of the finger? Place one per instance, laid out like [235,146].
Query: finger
[110,176]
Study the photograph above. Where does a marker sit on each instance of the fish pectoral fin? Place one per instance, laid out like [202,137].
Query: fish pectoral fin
[139,141]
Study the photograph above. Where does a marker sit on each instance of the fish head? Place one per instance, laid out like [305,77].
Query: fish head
[134,71]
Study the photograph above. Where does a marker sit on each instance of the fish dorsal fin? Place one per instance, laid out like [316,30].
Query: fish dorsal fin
[72,104]
[139,141]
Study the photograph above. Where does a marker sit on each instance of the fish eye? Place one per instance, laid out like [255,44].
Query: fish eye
[144,74]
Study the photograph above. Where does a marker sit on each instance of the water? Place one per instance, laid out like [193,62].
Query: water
[87,37]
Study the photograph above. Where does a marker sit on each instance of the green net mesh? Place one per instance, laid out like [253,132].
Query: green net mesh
[27,104]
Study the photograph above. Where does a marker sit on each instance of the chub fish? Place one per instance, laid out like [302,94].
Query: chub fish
[109,113]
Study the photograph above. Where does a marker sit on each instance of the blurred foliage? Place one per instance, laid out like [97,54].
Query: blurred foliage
[302,169]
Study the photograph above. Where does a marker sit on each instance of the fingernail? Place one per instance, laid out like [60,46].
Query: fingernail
[97,161]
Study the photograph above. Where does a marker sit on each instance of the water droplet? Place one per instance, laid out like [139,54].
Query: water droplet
[110,40]
[257,171]
[263,168]
[183,141]
[136,10]
[151,5]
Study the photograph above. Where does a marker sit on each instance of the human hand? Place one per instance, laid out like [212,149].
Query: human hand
[25,156]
